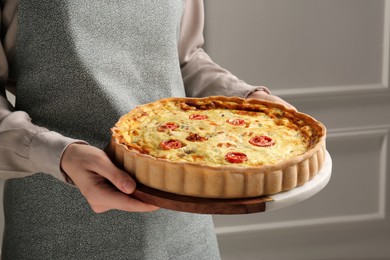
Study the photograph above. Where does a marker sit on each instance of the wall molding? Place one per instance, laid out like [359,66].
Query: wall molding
[330,91]
[386,45]
[255,228]
[370,131]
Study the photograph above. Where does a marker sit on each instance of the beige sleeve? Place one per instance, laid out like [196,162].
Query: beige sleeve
[203,77]
[24,148]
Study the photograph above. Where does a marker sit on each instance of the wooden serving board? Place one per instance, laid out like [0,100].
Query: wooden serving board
[200,205]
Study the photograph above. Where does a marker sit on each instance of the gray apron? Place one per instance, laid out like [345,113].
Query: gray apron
[80,66]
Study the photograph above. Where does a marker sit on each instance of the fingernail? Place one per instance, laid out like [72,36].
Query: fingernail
[128,187]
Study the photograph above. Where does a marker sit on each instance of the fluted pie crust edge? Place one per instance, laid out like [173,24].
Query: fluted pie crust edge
[231,181]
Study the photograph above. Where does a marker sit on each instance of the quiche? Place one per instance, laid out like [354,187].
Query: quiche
[218,147]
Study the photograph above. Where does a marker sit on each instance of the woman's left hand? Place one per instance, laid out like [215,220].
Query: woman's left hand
[265,96]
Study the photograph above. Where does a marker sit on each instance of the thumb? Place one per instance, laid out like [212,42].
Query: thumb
[119,178]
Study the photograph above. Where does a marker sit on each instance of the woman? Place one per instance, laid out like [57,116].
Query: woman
[78,66]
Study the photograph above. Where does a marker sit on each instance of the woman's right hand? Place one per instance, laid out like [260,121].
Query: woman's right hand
[104,186]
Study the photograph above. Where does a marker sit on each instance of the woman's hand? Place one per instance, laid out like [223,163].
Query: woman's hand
[265,96]
[104,185]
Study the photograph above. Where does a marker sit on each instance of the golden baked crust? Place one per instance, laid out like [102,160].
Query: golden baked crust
[182,146]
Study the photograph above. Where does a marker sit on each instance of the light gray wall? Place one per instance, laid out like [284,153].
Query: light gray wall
[298,44]
[331,60]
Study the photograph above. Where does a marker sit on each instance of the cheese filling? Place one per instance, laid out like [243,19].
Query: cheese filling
[207,136]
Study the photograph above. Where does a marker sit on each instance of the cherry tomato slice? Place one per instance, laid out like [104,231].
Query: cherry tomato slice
[235,157]
[171,144]
[262,141]
[169,125]
[198,117]
[236,121]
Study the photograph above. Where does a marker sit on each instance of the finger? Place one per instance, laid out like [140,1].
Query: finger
[111,199]
[136,208]
[120,179]
[272,98]
[281,101]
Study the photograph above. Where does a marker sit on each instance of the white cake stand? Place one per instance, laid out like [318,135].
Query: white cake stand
[303,192]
